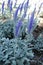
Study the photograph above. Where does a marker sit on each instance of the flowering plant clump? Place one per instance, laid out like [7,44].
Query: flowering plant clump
[17,44]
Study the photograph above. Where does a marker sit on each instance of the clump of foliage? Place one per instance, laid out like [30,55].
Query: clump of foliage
[14,51]
[6,29]
[17,44]
[17,50]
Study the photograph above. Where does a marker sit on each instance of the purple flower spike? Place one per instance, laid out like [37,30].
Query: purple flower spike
[31,21]
[23,16]
[18,25]
[25,8]
[16,13]
[40,8]
[15,3]
[8,3]
[3,7]
[21,7]
[26,5]
[11,6]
